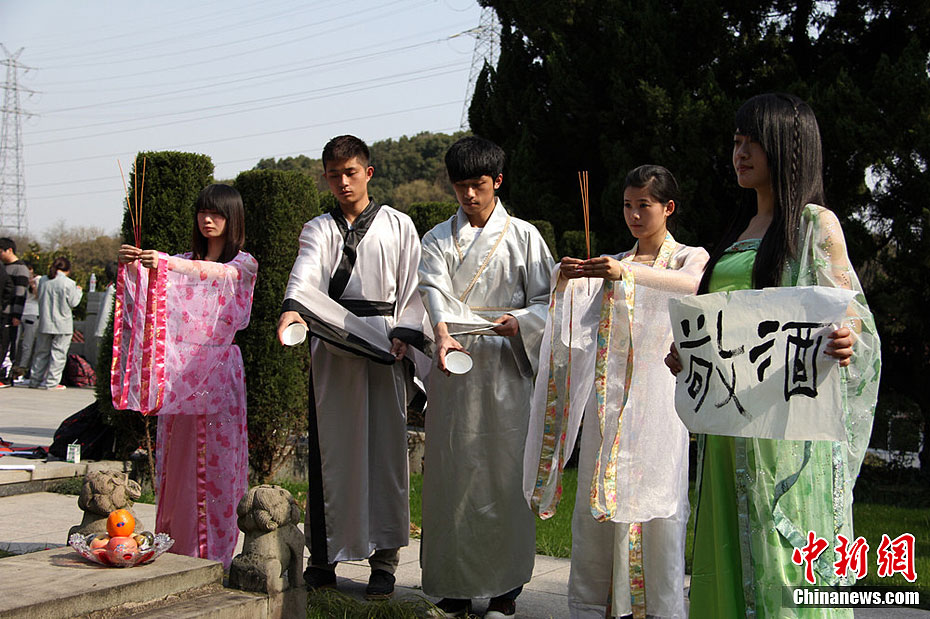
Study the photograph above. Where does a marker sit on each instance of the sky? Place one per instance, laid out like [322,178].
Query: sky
[233,79]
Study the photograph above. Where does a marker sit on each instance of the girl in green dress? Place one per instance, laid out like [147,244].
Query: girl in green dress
[757,499]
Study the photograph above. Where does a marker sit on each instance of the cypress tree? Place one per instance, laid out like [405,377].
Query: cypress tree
[277,204]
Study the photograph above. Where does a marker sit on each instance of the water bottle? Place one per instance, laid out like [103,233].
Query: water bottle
[92,285]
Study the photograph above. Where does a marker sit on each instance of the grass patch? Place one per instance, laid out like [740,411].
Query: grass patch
[416,505]
[4,554]
[72,485]
[298,490]
[328,603]
[879,508]
[554,535]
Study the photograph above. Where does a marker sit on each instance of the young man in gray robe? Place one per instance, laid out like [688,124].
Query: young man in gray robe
[484,278]
[364,257]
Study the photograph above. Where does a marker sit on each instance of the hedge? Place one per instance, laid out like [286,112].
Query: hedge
[426,215]
[573,244]
[277,203]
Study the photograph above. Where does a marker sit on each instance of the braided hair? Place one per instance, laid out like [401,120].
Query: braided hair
[786,128]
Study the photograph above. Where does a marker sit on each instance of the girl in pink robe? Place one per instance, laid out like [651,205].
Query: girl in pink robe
[174,323]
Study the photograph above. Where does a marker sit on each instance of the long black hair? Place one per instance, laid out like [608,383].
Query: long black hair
[226,201]
[786,128]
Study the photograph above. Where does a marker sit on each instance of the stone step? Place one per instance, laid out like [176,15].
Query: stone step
[216,604]
[59,583]
[43,475]
[232,604]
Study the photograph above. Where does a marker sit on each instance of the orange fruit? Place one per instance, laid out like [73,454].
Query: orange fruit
[121,523]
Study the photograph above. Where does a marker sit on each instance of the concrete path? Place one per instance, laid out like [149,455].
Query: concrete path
[29,417]
[41,520]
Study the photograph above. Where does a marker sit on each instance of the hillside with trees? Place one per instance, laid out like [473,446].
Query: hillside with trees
[408,170]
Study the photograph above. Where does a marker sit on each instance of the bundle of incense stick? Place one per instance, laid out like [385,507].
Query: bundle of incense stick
[585,206]
[135,206]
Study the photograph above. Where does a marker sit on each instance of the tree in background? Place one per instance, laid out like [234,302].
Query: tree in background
[88,248]
[608,85]
[173,180]
[405,160]
[277,204]
[425,215]
[407,170]
[301,163]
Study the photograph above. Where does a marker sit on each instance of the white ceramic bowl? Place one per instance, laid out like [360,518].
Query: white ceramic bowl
[458,362]
[294,334]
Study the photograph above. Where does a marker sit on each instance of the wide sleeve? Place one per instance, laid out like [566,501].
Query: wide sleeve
[435,284]
[309,272]
[824,261]
[683,277]
[532,318]
[213,292]
[410,326]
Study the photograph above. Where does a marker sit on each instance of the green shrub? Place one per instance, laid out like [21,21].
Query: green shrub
[425,215]
[277,204]
[327,202]
[573,244]
[172,182]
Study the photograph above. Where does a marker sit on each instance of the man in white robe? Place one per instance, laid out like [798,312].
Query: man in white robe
[484,277]
[363,256]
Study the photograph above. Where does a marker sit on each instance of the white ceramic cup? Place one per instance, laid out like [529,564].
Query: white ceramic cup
[294,334]
[458,362]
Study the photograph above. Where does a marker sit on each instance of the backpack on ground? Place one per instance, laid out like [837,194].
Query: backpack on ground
[86,428]
[79,372]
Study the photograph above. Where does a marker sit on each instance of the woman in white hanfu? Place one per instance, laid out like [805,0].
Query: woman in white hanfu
[602,359]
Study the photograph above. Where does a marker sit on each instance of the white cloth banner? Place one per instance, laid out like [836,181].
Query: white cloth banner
[754,364]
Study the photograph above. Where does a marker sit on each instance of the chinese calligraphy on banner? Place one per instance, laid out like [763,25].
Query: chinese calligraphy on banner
[754,364]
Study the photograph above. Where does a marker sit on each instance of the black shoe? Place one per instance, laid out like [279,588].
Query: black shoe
[380,585]
[319,578]
[450,607]
[501,607]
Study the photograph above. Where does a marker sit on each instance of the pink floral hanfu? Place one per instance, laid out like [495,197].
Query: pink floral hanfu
[174,356]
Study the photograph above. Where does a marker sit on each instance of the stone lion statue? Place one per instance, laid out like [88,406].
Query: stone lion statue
[102,493]
[272,553]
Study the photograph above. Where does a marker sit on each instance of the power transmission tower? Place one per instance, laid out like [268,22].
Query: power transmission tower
[487,47]
[12,173]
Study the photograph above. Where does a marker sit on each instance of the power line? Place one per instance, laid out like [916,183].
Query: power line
[275,156]
[233,43]
[362,85]
[287,130]
[321,62]
[130,29]
[248,52]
